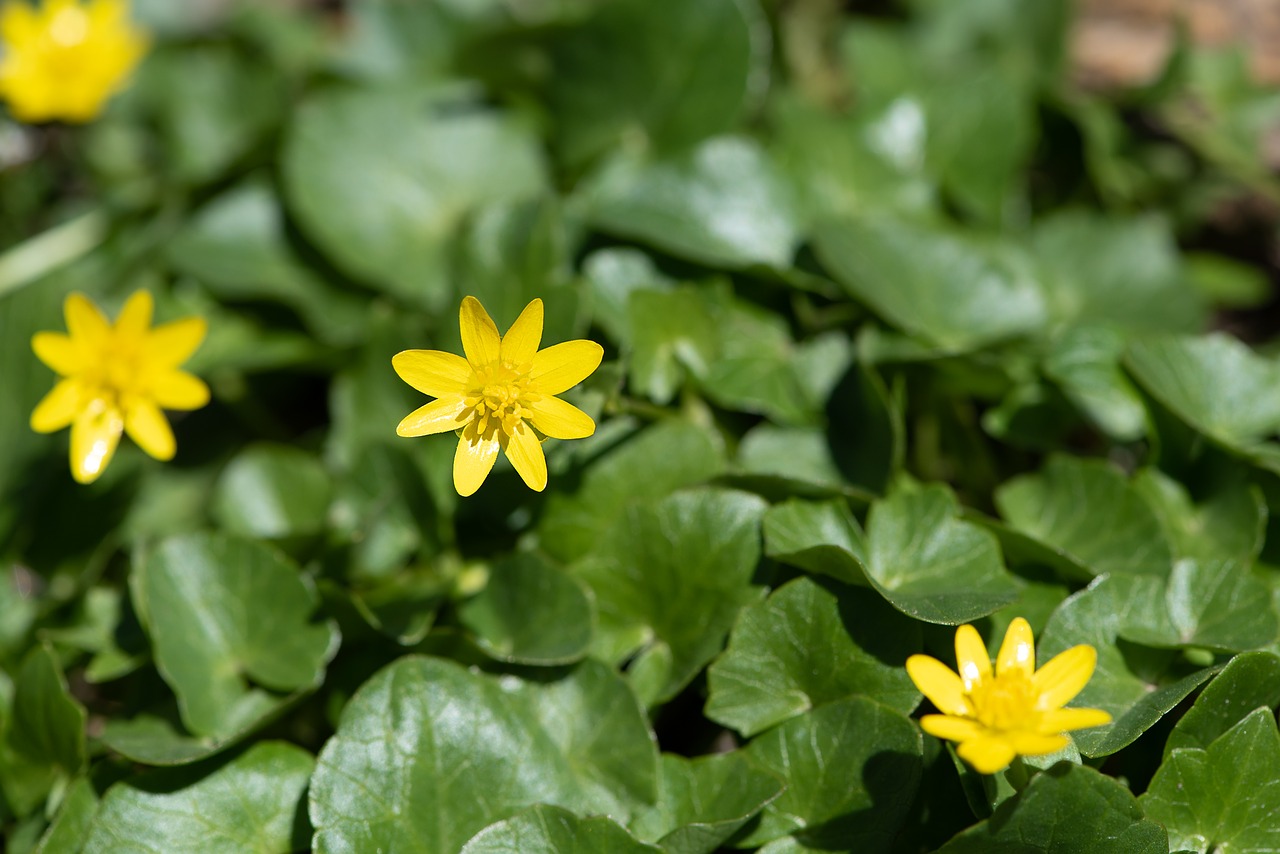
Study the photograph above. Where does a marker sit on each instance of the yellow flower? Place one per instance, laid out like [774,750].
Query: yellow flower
[117,378]
[66,58]
[502,395]
[1018,710]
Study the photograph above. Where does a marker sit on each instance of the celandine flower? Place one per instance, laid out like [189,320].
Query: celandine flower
[502,395]
[64,59]
[117,378]
[1015,711]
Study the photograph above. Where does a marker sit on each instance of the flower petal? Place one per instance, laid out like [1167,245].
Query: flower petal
[480,339]
[1018,651]
[85,322]
[19,24]
[473,460]
[561,367]
[135,317]
[438,416]
[520,344]
[936,681]
[1034,744]
[987,754]
[94,436]
[432,372]
[972,660]
[1063,676]
[148,427]
[179,390]
[171,344]
[58,351]
[58,408]
[559,419]
[525,452]
[951,728]
[1066,720]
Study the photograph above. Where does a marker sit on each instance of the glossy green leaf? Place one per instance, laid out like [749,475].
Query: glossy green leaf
[1250,680]
[1228,522]
[1066,808]
[422,758]
[251,802]
[1085,363]
[551,830]
[1213,604]
[1089,514]
[817,536]
[951,289]
[722,203]
[806,645]
[673,335]
[70,827]
[350,151]
[797,459]
[230,622]
[932,565]
[704,801]
[272,491]
[47,723]
[1225,797]
[851,770]
[669,581]
[530,613]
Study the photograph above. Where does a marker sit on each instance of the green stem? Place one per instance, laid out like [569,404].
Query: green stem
[51,249]
[1018,775]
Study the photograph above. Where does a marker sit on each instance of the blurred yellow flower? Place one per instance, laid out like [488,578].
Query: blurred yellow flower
[1015,711]
[64,59]
[499,395]
[117,378]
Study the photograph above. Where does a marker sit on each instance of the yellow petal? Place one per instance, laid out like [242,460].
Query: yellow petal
[480,339]
[1018,652]
[561,367]
[18,24]
[171,344]
[432,372]
[525,452]
[58,351]
[179,390]
[936,681]
[135,317]
[987,754]
[1063,676]
[1034,744]
[951,728]
[473,460]
[85,322]
[58,408]
[560,420]
[521,341]
[94,436]
[1066,720]
[972,660]
[148,427]
[438,416]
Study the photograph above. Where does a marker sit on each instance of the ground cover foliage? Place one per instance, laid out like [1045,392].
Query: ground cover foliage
[903,330]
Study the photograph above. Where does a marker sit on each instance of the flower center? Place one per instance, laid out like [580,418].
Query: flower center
[1004,703]
[117,375]
[498,397]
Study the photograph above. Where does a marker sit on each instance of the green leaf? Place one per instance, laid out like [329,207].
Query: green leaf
[1087,513]
[851,770]
[249,803]
[422,759]
[47,723]
[1212,604]
[1085,363]
[1225,797]
[932,565]
[704,801]
[158,737]
[669,580]
[675,72]
[672,332]
[1066,808]
[613,275]
[1229,522]
[817,536]
[551,830]
[723,204]
[272,491]
[1249,680]
[953,290]
[796,459]
[225,616]
[381,179]
[530,613]
[806,645]
[70,827]
[1214,383]
[647,465]
[1130,683]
